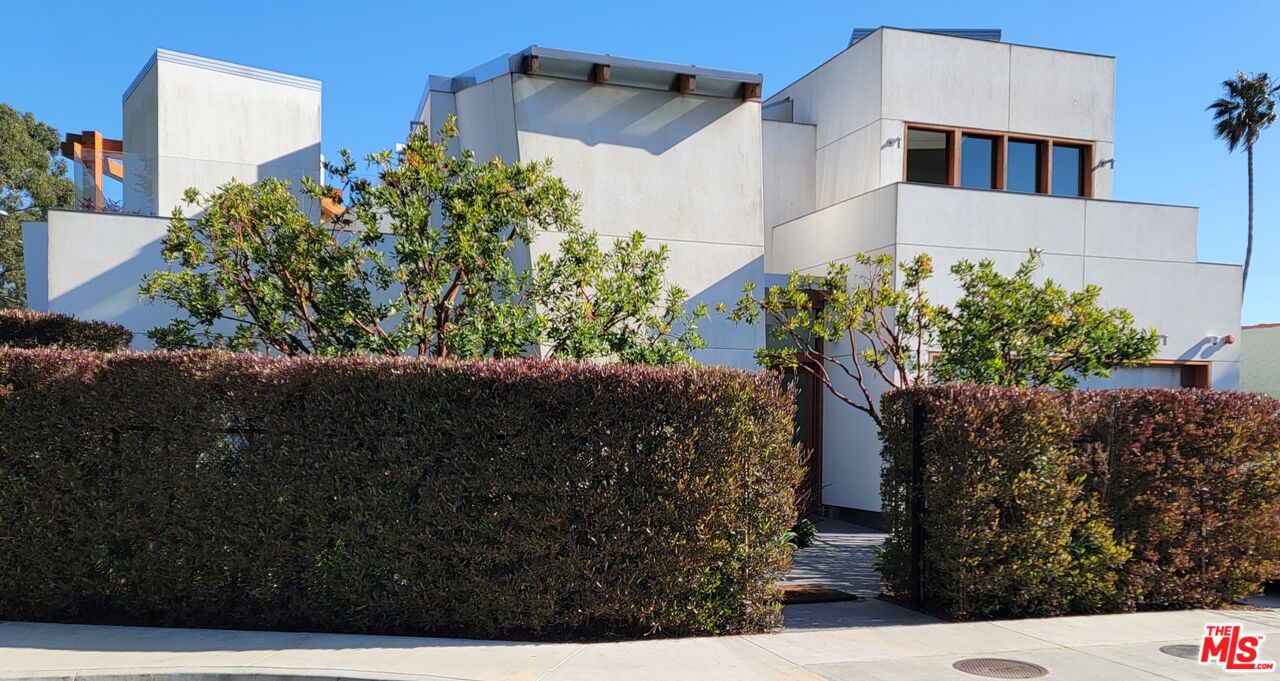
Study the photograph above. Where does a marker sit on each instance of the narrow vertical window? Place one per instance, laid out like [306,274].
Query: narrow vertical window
[978,162]
[928,155]
[1024,166]
[1068,170]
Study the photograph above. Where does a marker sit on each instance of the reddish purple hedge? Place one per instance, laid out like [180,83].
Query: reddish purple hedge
[392,496]
[31,329]
[1041,502]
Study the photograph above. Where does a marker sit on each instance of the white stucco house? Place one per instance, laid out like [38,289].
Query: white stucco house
[947,142]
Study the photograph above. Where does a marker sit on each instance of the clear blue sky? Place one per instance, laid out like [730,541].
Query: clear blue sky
[69,63]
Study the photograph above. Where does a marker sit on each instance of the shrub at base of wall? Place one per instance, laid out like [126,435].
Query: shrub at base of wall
[1040,502]
[406,496]
[32,329]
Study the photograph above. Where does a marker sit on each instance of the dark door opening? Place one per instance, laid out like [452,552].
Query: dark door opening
[809,437]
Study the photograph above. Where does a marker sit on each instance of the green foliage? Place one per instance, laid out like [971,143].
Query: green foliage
[31,329]
[1009,330]
[813,317]
[1004,330]
[614,303]
[1040,502]
[397,495]
[804,533]
[286,283]
[1247,107]
[422,260]
[32,180]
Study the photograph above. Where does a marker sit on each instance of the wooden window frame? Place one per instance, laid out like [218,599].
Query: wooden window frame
[1045,144]
[998,149]
[953,153]
[1086,165]
[1195,374]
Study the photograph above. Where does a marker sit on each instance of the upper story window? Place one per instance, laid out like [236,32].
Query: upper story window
[1026,159]
[993,160]
[1069,163]
[928,156]
[978,167]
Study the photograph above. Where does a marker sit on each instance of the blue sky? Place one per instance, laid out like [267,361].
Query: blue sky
[69,63]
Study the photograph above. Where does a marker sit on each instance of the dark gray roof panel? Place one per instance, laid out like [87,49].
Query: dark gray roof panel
[623,71]
[992,34]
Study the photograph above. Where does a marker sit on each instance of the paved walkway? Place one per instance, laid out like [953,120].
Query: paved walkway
[1089,648]
[843,557]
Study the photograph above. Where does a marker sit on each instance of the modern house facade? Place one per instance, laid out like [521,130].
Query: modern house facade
[950,143]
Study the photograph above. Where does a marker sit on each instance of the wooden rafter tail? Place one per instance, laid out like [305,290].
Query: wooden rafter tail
[600,73]
[685,83]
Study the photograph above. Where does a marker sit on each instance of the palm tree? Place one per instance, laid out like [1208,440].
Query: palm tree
[1248,108]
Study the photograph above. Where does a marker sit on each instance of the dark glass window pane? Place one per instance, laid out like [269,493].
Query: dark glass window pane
[1068,171]
[927,156]
[1023,166]
[978,162]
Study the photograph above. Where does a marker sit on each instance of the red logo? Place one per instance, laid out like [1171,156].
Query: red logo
[1226,645]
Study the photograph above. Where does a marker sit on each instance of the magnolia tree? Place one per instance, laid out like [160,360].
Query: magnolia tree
[421,259]
[869,331]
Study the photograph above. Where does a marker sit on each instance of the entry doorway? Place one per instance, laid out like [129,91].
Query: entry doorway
[808,435]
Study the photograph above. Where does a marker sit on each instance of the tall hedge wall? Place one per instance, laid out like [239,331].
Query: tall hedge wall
[1041,502]
[391,496]
[32,329]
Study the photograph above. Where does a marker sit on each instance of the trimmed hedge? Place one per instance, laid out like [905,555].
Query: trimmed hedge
[392,496]
[31,329]
[1040,502]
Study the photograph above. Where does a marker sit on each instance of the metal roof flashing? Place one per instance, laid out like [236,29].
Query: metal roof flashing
[162,55]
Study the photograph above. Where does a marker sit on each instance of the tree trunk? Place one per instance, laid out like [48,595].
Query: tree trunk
[1248,249]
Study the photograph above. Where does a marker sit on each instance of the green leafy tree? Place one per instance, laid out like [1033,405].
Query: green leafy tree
[254,265]
[32,180]
[614,303]
[834,327]
[878,330]
[1247,108]
[1009,330]
[420,260]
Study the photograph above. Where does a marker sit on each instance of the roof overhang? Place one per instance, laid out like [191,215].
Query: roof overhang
[608,69]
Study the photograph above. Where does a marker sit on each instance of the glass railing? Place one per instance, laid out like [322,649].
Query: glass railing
[141,184]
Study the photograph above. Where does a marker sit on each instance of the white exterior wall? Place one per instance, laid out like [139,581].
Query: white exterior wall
[1259,359]
[860,101]
[685,170]
[91,264]
[141,146]
[196,122]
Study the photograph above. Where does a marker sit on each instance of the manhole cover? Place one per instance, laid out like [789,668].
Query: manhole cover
[996,668]
[1186,652]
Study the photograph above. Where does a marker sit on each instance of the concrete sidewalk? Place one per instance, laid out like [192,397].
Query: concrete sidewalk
[1093,648]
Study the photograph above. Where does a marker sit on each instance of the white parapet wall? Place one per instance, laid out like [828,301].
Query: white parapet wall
[195,122]
[91,264]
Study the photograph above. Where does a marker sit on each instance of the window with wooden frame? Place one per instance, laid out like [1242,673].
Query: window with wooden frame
[985,159]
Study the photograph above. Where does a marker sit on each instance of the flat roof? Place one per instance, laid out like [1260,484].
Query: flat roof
[576,65]
[222,67]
